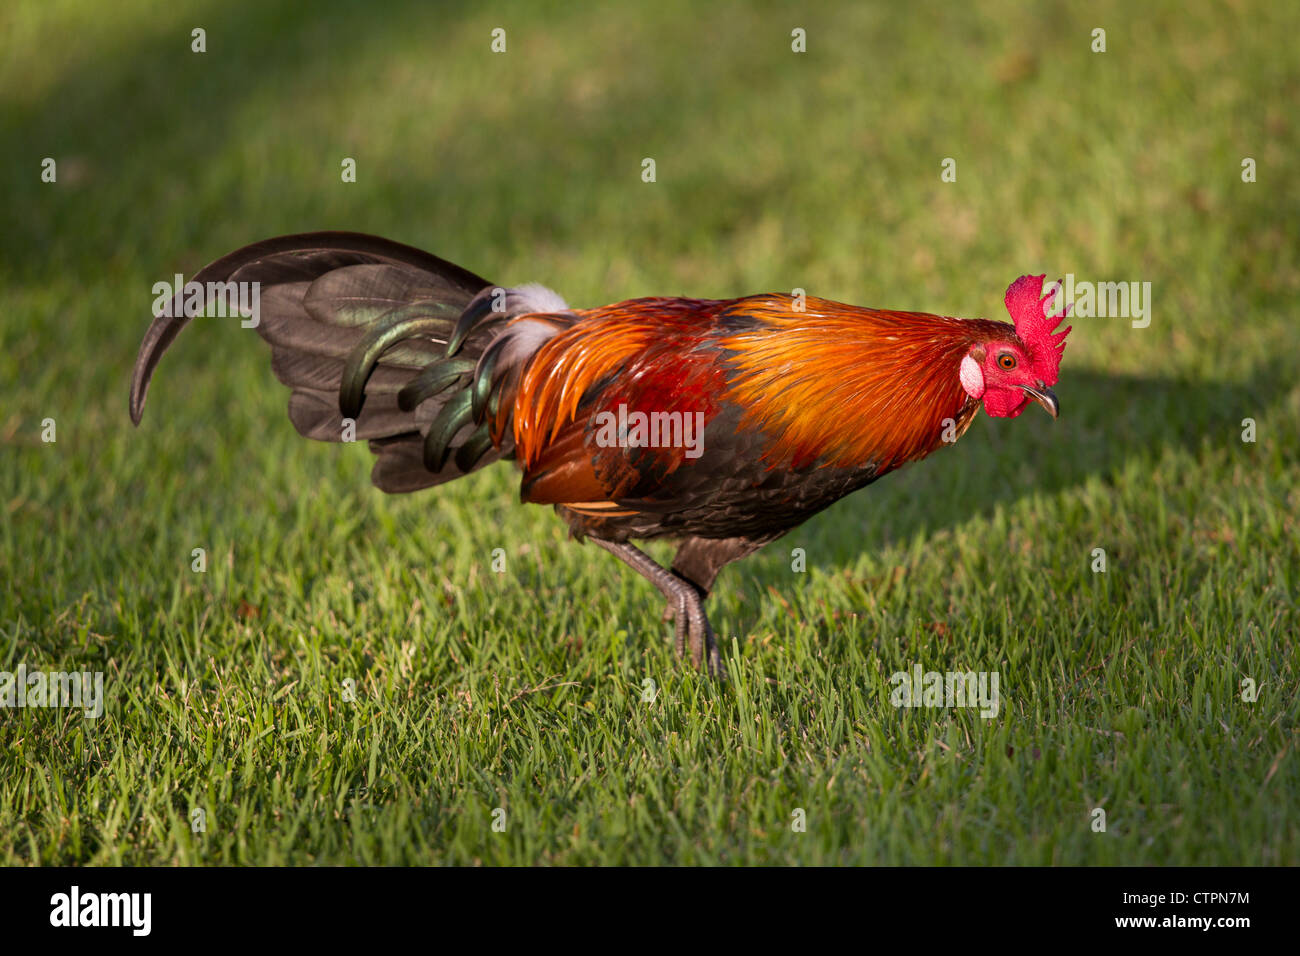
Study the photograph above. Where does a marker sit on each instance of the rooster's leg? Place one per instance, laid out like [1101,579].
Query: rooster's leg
[685,603]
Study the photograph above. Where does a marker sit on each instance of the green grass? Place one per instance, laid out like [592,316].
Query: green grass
[523,690]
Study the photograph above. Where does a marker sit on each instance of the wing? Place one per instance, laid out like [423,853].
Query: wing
[610,408]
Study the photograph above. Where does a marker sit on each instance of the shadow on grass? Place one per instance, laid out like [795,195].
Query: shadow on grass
[118,121]
[1107,421]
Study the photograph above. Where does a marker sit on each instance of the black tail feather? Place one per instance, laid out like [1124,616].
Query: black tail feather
[322,297]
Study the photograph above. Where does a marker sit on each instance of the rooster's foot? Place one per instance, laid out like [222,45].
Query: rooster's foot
[685,606]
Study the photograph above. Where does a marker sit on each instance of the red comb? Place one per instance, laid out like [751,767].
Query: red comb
[1035,319]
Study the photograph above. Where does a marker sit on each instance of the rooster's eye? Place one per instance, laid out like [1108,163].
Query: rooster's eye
[1006,361]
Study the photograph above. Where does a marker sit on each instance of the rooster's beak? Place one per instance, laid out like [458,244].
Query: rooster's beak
[1043,396]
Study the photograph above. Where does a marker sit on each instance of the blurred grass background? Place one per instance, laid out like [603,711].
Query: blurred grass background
[522,691]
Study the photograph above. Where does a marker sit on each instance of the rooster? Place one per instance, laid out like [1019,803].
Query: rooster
[719,423]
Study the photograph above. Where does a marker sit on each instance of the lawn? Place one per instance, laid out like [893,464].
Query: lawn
[350,681]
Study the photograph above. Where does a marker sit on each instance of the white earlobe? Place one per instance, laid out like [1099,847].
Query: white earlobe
[972,379]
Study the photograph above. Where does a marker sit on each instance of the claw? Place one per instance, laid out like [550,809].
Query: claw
[693,631]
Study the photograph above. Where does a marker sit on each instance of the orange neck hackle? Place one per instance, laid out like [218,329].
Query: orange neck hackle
[847,386]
